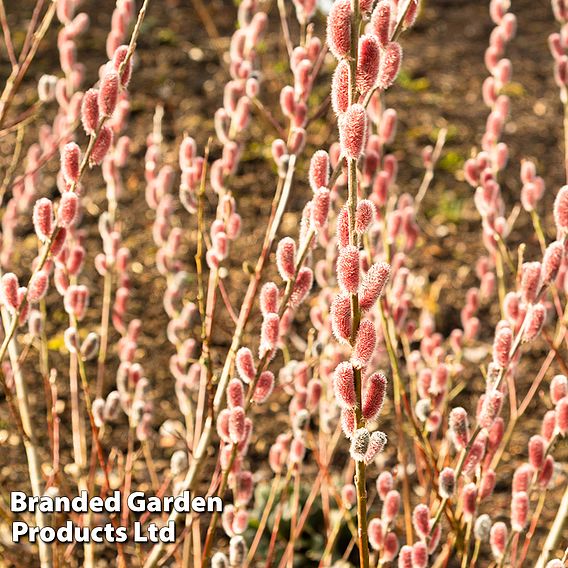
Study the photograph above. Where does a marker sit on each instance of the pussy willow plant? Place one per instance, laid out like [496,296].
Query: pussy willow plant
[426,498]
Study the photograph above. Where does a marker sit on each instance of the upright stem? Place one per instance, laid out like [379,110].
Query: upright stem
[555,531]
[105,322]
[360,468]
[30,442]
[565,123]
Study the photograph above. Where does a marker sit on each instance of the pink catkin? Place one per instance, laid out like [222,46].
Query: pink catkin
[223,425]
[264,387]
[487,484]
[377,443]
[551,262]
[374,396]
[245,487]
[10,291]
[548,425]
[419,555]
[353,131]
[562,415]
[269,332]
[68,208]
[297,451]
[502,347]
[530,281]
[405,557]
[245,364]
[70,162]
[302,286]
[369,57]
[469,497]
[285,258]
[385,483]
[434,537]
[118,59]
[376,536]
[38,286]
[521,478]
[421,520]
[495,434]
[108,93]
[342,229]
[348,269]
[391,506]
[101,146]
[519,511]
[381,22]
[490,408]
[237,424]
[558,388]
[447,483]
[474,456]
[411,14]
[340,316]
[359,444]
[390,65]
[373,285]
[364,216]
[235,393]
[546,472]
[387,127]
[536,317]
[364,344]
[58,242]
[339,28]
[43,218]
[319,170]
[348,421]
[269,298]
[340,88]
[320,210]
[459,428]
[561,210]
[498,539]
[537,447]
[390,548]
[344,385]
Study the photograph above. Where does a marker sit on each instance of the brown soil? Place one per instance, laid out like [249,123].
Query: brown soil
[178,66]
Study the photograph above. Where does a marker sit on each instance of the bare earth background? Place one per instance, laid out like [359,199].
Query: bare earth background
[178,65]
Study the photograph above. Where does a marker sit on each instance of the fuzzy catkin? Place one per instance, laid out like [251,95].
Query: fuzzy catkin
[365,343]
[353,131]
[373,285]
[339,28]
[374,396]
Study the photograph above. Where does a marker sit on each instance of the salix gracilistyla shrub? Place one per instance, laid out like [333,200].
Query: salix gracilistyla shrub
[340,400]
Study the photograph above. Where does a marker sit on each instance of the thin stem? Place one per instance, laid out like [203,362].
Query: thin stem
[18,72]
[7,35]
[294,515]
[264,519]
[360,467]
[476,549]
[105,324]
[251,388]
[30,441]
[466,544]
[565,123]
